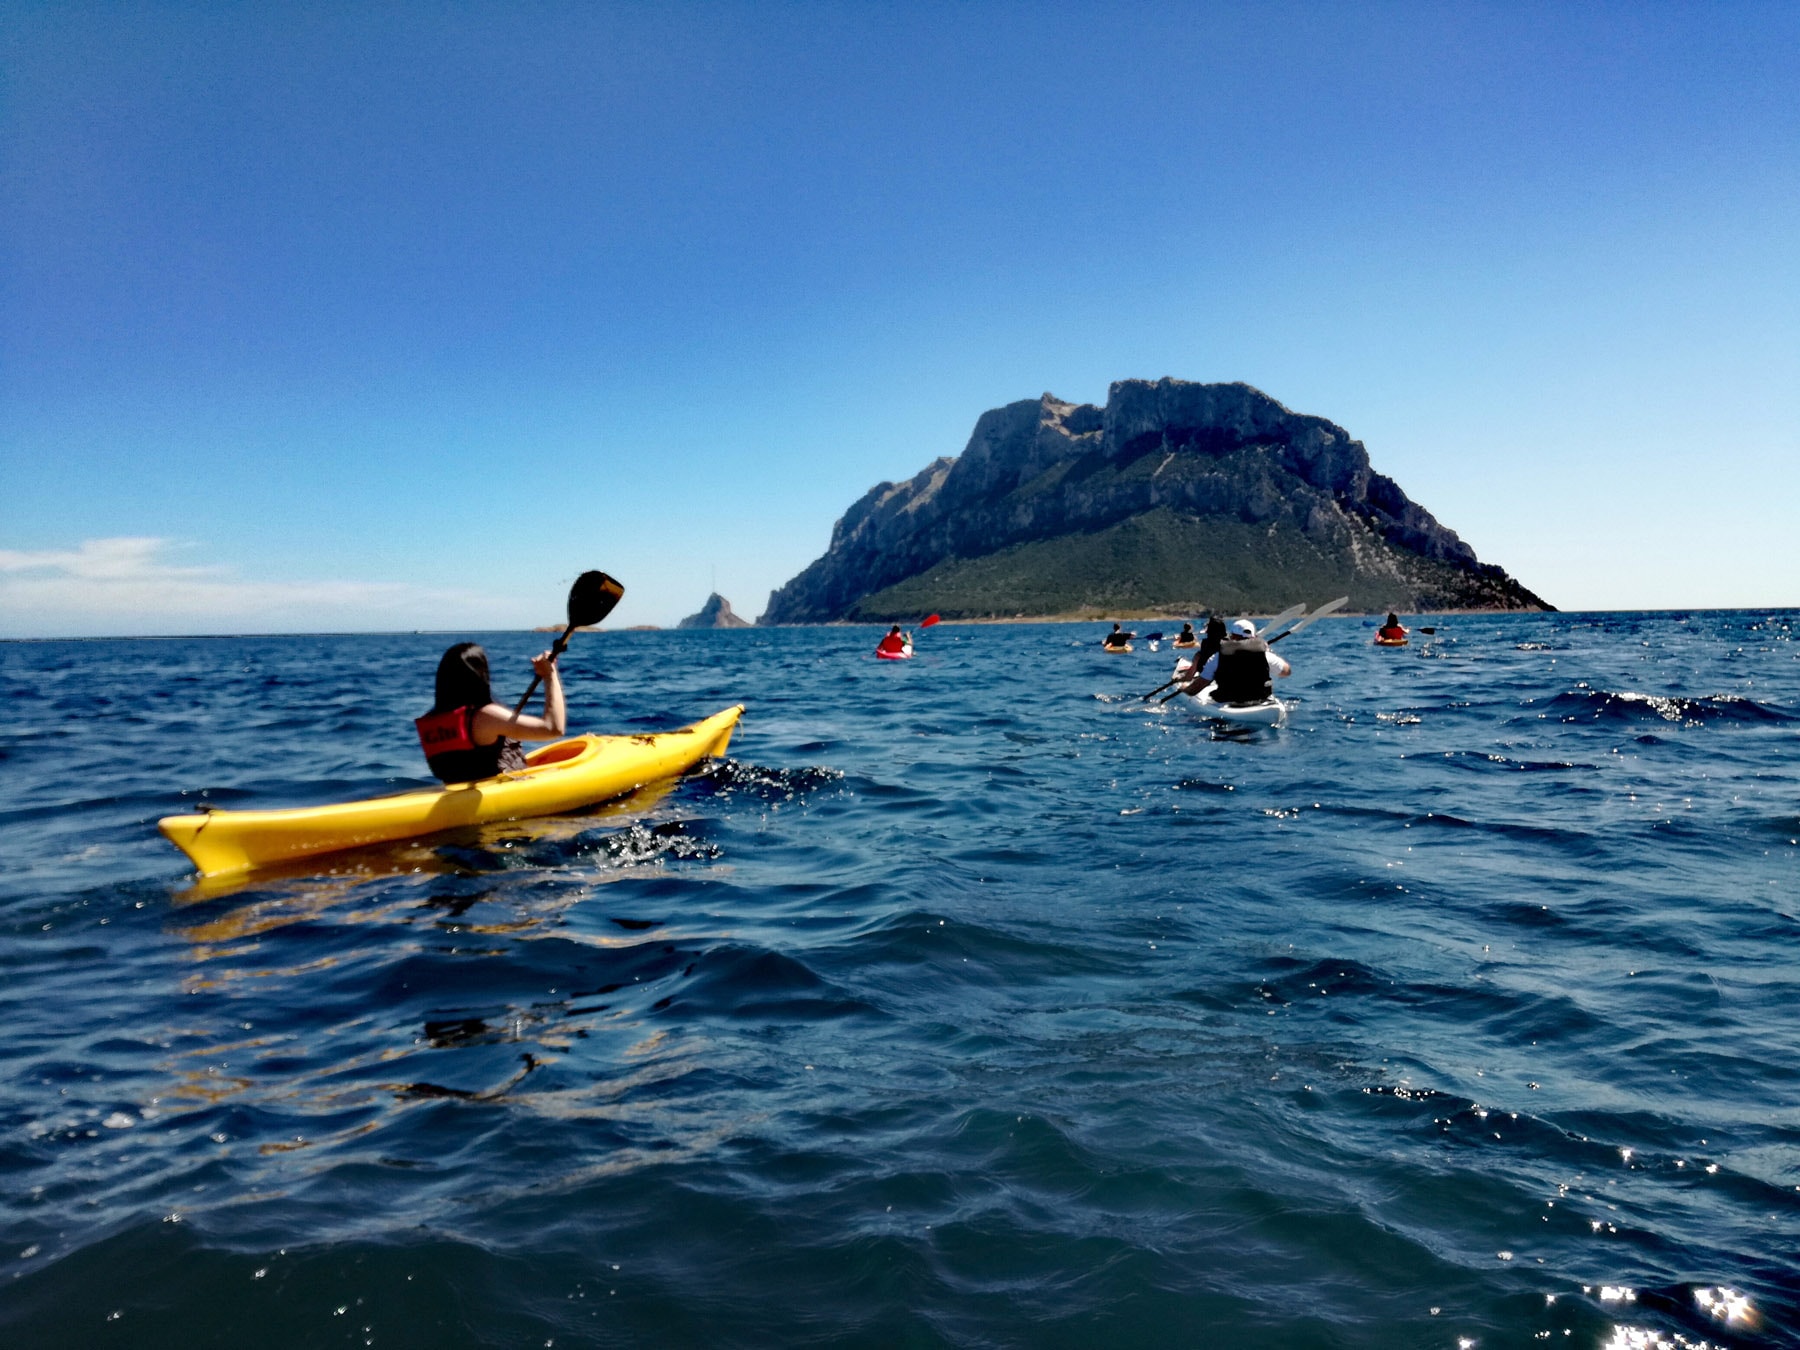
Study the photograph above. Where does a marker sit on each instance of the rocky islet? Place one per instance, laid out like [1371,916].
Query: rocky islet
[1175,495]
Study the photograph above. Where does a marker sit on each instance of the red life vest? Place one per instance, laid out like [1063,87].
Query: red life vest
[893,642]
[451,751]
[442,733]
[1390,633]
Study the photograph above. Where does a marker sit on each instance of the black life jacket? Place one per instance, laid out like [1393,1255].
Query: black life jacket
[1243,673]
[448,740]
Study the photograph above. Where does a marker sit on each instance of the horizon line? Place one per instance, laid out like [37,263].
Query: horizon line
[843,623]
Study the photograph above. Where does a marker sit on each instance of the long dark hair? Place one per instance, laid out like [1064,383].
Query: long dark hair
[462,678]
[1209,644]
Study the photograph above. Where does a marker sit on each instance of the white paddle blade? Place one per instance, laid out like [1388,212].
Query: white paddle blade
[1331,608]
[1291,612]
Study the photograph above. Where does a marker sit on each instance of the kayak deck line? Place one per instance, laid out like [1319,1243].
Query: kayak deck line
[562,776]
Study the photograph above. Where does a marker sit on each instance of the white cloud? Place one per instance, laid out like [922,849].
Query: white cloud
[128,585]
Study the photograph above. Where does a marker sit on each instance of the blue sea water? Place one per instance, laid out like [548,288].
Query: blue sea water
[972,1001]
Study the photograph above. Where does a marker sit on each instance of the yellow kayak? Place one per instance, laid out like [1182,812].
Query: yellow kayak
[561,776]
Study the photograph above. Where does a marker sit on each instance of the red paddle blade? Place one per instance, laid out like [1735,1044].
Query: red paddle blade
[928,620]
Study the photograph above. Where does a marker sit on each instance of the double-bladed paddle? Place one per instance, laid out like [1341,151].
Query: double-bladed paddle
[591,599]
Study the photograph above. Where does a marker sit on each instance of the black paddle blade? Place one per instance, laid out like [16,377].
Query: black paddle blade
[592,598]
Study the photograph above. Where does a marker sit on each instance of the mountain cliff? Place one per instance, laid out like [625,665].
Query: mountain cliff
[1176,497]
[715,613]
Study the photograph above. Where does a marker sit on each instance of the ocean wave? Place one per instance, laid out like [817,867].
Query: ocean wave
[735,778]
[1587,703]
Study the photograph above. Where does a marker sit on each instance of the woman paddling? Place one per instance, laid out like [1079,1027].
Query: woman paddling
[467,736]
[1209,647]
[1391,631]
[895,643]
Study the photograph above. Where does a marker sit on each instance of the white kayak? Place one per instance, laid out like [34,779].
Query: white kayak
[1268,712]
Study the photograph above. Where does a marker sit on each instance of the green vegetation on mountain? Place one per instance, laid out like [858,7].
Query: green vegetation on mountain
[1164,563]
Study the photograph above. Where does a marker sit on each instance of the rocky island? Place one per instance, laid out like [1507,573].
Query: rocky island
[1175,498]
[715,613]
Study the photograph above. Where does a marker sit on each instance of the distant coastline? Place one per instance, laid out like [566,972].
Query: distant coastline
[1135,617]
[1167,616]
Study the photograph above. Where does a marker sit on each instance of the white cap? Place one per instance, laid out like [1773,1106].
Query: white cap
[1243,628]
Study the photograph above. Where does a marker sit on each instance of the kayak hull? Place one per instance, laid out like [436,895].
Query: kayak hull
[1109,647]
[1390,642]
[1269,712]
[904,654]
[562,776]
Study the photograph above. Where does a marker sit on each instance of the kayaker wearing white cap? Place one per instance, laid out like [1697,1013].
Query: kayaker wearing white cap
[1243,670]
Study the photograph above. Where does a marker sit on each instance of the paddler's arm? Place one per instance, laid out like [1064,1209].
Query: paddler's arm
[496,720]
[1200,674]
[556,716]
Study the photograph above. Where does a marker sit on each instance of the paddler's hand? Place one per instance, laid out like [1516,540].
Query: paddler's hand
[544,665]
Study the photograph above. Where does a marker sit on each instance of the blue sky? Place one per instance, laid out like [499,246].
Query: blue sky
[348,316]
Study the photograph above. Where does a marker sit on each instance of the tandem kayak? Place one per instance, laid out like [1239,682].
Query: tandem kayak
[561,776]
[1268,712]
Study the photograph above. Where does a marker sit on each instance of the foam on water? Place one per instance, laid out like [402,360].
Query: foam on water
[972,1000]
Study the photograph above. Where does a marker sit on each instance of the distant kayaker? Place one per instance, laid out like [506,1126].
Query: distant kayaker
[1186,637]
[467,736]
[895,643]
[1118,639]
[1243,670]
[1391,631]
